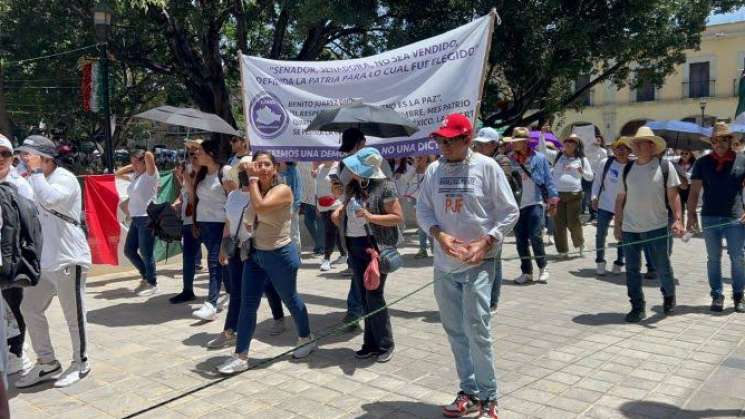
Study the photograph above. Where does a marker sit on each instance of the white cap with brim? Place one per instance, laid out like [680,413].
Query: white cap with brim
[5,143]
[487,135]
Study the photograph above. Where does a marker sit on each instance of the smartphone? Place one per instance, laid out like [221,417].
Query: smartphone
[243,178]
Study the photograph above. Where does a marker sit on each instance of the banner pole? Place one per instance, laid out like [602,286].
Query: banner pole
[243,99]
[494,18]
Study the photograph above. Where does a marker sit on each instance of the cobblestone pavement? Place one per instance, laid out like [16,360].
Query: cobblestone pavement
[562,350]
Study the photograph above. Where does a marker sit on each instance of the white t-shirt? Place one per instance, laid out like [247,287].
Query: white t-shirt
[235,206]
[568,173]
[24,188]
[528,196]
[142,190]
[305,172]
[212,198]
[323,188]
[60,192]
[645,200]
[355,225]
[607,198]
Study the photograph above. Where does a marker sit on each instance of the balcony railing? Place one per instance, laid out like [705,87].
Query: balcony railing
[694,89]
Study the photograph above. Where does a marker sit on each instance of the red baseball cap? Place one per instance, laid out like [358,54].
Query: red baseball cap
[454,125]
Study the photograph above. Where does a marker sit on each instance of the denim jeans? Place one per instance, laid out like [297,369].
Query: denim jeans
[658,250]
[191,256]
[529,233]
[234,272]
[278,266]
[463,300]
[378,335]
[313,225]
[423,240]
[604,219]
[139,247]
[735,236]
[496,288]
[211,235]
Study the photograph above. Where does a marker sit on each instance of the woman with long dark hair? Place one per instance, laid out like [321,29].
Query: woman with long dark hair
[369,219]
[570,169]
[273,257]
[209,220]
[685,163]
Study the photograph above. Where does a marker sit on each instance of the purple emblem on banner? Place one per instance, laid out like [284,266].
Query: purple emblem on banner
[268,116]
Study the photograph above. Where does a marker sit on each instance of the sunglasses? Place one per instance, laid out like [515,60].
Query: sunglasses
[6,154]
[448,141]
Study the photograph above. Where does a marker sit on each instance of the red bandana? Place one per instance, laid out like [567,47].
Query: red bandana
[723,160]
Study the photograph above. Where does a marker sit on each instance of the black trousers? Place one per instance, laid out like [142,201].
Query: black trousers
[378,332]
[13,297]
[331,236]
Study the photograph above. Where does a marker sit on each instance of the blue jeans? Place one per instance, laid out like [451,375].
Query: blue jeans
[529,231]
[234,272]
[139,247]
[278,266]
[496,289]
[423,240]
[463,300]
[314,226]
[604,219]
[735,236]
[211,235]
[191,257]
[658,250]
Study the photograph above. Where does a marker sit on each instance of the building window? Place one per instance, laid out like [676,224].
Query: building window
[645,92]
[579,84]
[699,81]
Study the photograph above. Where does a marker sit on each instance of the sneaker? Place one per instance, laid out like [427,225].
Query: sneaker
[385,356]
[489,409]
[148,290]
[277,327]
[72,375]
[493,308]
[717,303]
[183,297]
[421,254]
[207,312]
[600,269]
[524,279]
[650,275]
[738,301]
[234,365]
[581,250]
[563,255]
[199,268]
[39,374]
[365,353]
[544,275]
[636,314]
[668,304]
[341,260]
[461,406]
[18,364]
[304,351]
[223,340]
[325,265]
[351,321]
[617,269]
[141,286]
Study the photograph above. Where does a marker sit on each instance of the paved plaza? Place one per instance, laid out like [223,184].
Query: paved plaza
[562,351]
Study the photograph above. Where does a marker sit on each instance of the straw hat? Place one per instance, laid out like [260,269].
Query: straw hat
[518,134]
[721,129]
[621,141]
[646,134]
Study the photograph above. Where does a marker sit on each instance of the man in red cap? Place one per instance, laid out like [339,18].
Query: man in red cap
[467,207]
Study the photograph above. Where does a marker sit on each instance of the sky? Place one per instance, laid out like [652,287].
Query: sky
[736,16]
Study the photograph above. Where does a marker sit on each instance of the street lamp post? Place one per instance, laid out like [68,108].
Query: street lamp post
[102,15]
[702,105]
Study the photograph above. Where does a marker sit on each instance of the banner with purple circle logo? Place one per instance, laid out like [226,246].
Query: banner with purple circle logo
[424,82]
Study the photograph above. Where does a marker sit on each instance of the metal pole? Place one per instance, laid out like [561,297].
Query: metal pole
[108,149]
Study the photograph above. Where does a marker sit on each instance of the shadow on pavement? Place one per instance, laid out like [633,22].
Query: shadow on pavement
[13,391]
[664,410]
[400,409]
[156,310]
[343,358]
[602,319]
[426,316]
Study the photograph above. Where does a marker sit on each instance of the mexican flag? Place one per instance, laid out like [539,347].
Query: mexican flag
[92,86]
[740,112]
[106,222]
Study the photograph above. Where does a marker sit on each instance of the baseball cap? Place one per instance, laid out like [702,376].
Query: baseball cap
[5,142]
[39,145]
[454,125]
[487,135]
[350,138]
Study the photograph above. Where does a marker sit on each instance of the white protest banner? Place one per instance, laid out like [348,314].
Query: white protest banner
[424,82]
[586,133]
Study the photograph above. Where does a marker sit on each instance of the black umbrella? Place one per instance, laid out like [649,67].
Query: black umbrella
[681,135]
[375,121]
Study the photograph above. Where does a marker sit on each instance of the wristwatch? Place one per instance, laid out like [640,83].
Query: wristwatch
[37,171]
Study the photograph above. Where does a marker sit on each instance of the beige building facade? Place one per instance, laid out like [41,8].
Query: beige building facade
[708,79]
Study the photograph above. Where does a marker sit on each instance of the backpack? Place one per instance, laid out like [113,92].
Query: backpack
[164,221]
[665,173]
[20,239]
[513,176]
[606,168]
